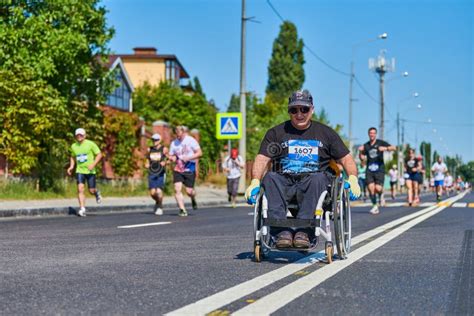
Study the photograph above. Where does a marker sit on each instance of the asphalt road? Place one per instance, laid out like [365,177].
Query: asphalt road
[423,264]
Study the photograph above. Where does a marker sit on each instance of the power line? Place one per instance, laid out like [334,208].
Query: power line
[365,91]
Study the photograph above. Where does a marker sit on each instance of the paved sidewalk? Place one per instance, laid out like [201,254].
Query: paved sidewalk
[206,196]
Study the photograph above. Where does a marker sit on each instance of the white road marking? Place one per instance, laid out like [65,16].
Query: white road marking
[276,300]
[217,300]
[395,204]
[357,204]
[459,204]
[144,225]
[427,204]
[250,213]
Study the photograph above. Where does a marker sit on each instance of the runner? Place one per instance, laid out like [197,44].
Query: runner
[184,151]
[375,174]
[448,183]
[232,165]
[393,173]
[439,168]
[85,154]
[412,168]
[361,169]
[155,163]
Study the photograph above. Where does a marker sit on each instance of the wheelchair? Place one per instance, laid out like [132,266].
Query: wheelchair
[332,214]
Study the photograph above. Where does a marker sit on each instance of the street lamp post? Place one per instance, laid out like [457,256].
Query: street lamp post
[351,82]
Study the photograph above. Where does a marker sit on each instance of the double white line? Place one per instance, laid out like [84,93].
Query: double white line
[276,300]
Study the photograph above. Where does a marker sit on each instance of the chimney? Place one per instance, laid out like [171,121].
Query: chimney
[144,50]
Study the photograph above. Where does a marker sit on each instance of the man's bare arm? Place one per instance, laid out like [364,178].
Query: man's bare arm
[260,166]
[349,165]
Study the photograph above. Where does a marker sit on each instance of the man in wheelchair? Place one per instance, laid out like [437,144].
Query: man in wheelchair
[300,151]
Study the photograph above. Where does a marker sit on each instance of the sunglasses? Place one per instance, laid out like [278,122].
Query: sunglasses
[303,109]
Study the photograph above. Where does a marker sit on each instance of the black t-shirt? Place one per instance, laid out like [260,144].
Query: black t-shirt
[410,164]
[155,157]
[375,156]
[295,151]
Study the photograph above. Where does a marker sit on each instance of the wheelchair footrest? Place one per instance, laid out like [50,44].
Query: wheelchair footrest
[290,222]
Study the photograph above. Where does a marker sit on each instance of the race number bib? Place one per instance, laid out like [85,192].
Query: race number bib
[81,158]
[303,150]
[373,167]
[303,156]
[155,156]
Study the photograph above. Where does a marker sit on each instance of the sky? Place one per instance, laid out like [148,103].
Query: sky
[431,40]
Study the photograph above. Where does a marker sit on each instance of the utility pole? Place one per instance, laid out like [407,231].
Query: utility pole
[351,99]
[399,151]
[243,105]
[381,66]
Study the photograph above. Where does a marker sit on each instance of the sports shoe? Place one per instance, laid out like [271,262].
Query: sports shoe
[301,240]
[81,212]
[233,205]
[194,203]
[374,210]
[182,213]
[382,201]
[98,197]
[158,210]
[284,239]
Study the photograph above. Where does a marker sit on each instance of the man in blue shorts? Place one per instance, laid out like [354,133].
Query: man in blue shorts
[155,163]
[85,154]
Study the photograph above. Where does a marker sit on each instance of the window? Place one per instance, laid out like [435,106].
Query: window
[120,98]
[172,70]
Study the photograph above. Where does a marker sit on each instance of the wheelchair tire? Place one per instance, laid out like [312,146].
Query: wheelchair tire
[258,253]
[342,221]
[329,250]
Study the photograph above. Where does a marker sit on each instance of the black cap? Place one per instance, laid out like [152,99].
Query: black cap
[301,97]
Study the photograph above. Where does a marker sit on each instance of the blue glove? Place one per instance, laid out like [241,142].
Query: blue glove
[354,188]
[252,191]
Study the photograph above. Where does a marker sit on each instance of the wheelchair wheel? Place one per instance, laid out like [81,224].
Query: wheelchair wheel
[329,250]
[258,253]
[342,221]
[261,234]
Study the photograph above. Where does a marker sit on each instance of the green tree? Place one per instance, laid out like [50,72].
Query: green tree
[50,80]
[425,150]
[198,88]
[285,70]
[466,171]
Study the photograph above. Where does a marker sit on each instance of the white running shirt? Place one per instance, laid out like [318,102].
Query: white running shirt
[439,170]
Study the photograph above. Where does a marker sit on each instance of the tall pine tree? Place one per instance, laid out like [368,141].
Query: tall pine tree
[285,70]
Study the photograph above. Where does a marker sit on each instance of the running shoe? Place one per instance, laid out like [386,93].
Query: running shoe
[194,203]
[82,212]
[374,210]
[182,213]
[382,201]
[98,197]
[158,210]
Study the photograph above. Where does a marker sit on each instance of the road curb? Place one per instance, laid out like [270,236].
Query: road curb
[72,210]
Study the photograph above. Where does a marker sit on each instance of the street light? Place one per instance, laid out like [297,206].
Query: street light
[354,47]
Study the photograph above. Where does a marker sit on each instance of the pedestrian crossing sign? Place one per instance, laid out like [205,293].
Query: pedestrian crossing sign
[229,125]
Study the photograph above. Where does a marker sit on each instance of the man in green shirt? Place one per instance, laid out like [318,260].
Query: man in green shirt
[85,155]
